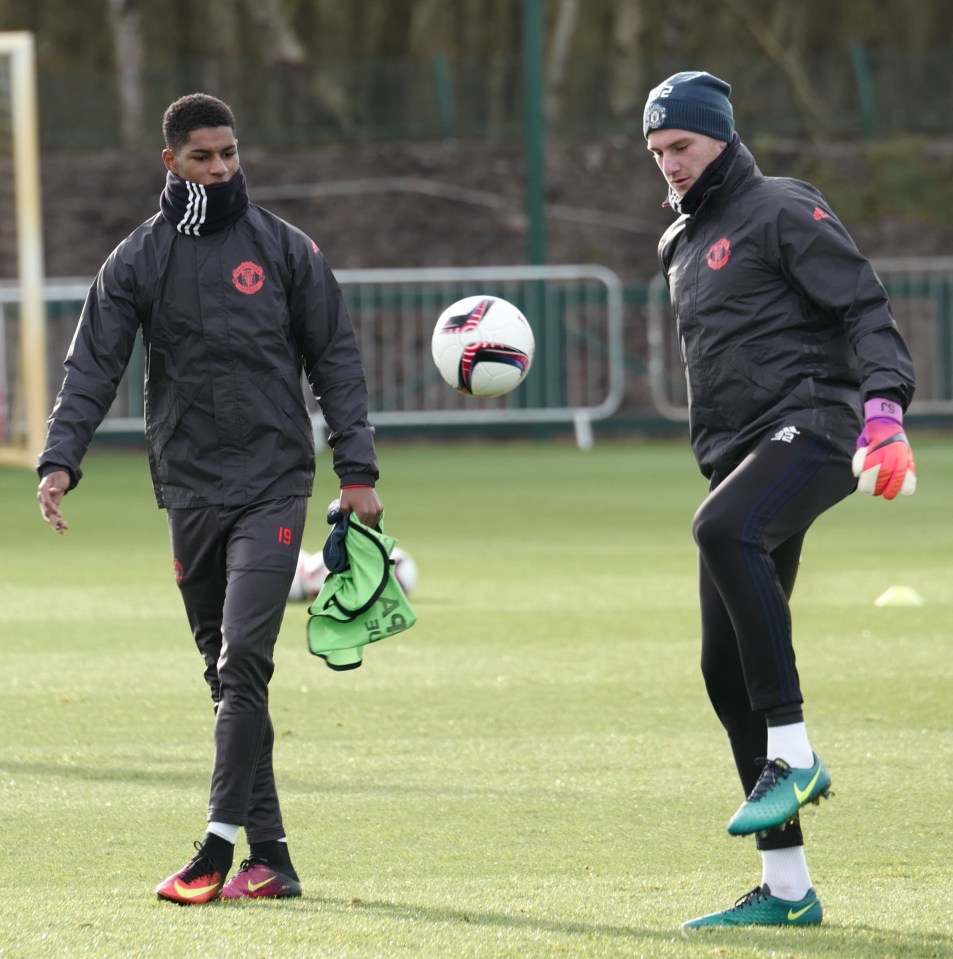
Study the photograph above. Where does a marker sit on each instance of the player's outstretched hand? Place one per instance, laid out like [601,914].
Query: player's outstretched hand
[52,489]
[884,462]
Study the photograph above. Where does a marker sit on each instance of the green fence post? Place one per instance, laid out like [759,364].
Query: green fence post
[441,78]
[865,89]
[944,340]
[546,321]
[533,119]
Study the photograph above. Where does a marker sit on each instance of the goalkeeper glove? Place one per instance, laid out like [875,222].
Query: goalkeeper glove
[884,462]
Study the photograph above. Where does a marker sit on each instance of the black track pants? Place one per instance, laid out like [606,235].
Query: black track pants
[234,566]
[749,533]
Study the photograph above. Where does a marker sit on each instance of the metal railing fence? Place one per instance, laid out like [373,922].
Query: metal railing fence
[577,375]
[604,351]
[921,295]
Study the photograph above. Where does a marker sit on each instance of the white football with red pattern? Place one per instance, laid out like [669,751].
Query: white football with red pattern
[483,346]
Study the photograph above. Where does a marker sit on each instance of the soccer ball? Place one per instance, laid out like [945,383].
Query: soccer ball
[483,346]
[405,569]
[296,593]
[311,572]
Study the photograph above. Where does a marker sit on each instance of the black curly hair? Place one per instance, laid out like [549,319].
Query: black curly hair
[192,112]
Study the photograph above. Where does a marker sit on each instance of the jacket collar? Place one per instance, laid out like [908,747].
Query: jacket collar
[197,210]
[734,166]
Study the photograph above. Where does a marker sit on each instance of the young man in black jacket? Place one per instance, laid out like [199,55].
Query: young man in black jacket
[798,380]
[232,304]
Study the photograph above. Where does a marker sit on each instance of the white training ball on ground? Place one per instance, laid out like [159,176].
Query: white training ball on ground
[405,569]
[309,577]
[483,346]
[296,593]
[311,572]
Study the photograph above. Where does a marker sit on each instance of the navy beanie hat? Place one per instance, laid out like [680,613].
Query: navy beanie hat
[693,100]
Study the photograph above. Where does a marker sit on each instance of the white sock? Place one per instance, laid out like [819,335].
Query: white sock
[784,872]
[791,744]
[226,830]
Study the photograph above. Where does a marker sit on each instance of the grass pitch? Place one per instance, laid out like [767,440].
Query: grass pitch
[533,770]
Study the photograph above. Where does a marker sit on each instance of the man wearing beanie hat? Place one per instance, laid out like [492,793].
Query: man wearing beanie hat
[798,379]
[694,101]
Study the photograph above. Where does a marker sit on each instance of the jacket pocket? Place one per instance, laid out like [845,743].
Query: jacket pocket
[288,407]
[761,370]
[165,408]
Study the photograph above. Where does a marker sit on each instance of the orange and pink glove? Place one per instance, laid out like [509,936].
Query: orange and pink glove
[884,462]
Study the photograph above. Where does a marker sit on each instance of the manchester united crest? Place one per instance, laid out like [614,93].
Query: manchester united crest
[654,115]
[718,254]
[248,277]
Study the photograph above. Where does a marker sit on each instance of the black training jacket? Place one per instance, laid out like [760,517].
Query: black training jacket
[781,320]
[228,321]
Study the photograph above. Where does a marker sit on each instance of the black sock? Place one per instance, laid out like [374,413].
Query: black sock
[219,851]
[276,854]
[785,715]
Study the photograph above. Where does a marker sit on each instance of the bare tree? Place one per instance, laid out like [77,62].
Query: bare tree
[280,45]
[625,94]
[497,25]
[126,23]
[557,61]
[770,38]
[224,43]
[429,28]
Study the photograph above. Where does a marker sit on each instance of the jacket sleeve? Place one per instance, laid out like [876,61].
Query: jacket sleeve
[332,364]
[822,262]
[97,358]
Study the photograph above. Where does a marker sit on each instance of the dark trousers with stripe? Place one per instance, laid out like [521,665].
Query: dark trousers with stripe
[234,567]
[749,533]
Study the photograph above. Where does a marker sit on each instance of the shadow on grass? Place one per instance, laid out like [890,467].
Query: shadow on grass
[186,773]
[467,917]
[829,939]
[189,773]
